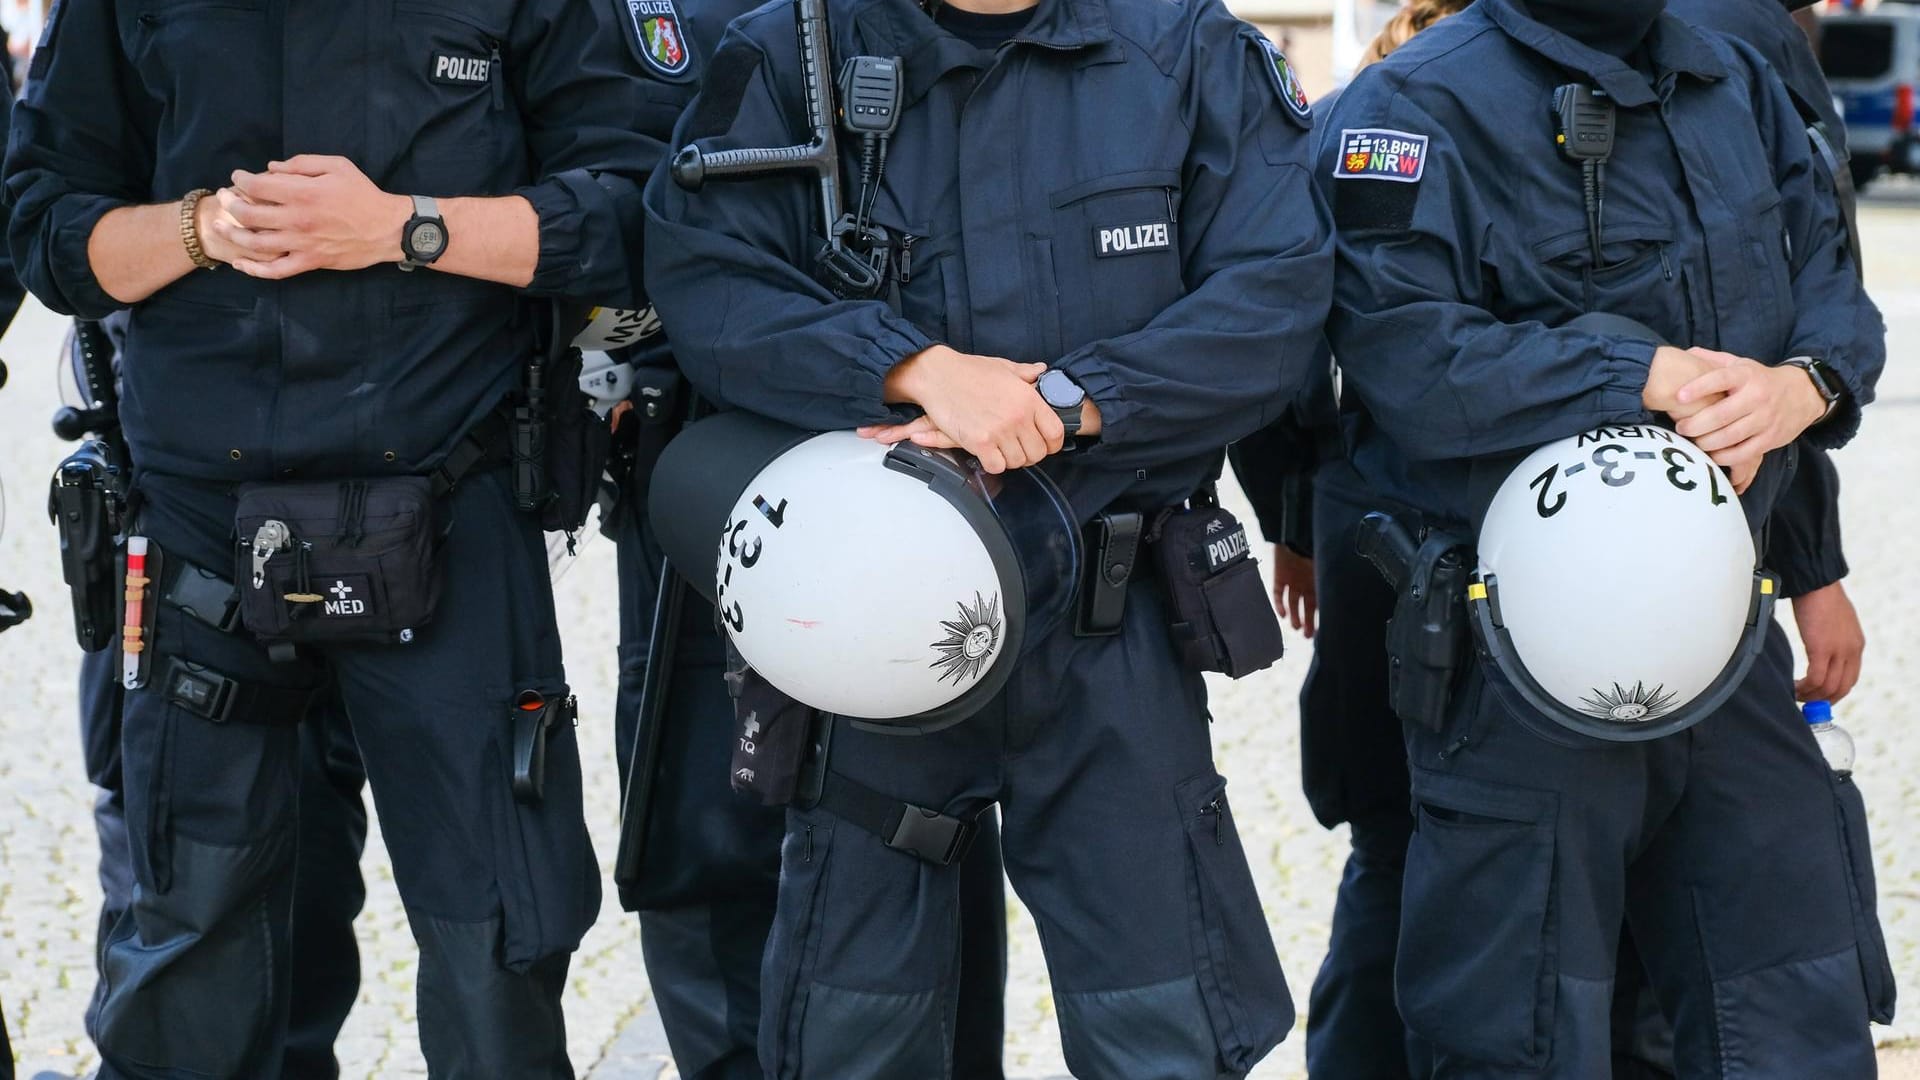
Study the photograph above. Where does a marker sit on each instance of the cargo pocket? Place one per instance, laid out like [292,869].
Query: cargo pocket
[543,865]
[1234,959]
[1476,967]
[1876,967]
[794,940]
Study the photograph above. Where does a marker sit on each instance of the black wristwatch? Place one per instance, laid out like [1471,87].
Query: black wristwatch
[1065,397]
[424,238]
[1831,389]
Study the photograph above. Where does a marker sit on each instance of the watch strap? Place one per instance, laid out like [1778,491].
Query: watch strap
[424,206]
[1830,389]
[1070,419]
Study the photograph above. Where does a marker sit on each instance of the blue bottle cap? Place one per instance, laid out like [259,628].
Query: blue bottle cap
[1817,712]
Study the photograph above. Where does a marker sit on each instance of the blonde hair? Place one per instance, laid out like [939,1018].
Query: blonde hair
[1413,17]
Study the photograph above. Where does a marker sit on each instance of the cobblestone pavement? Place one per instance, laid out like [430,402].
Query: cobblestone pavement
[48,892]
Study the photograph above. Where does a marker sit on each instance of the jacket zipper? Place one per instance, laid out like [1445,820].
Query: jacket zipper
[1218,809]
[494,77]
[905,265]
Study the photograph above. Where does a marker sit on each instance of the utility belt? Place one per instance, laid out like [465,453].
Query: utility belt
[1428,636]
[153,580]
[217,697]
[1220,618]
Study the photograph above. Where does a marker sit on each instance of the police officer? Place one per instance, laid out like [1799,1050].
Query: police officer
[1112,193]
[1457,254]
[706,888]
[1803,536]
[333,256]
[1353,759]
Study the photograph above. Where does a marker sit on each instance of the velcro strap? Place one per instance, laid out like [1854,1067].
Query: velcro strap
[926,834]
[219,698]
[485,444]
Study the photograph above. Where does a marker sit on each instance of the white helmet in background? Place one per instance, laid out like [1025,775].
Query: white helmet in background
[1617,593]
[892,585]
[616,328]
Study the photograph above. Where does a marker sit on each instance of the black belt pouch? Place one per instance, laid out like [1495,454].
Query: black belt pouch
[341,561]
[1222,618]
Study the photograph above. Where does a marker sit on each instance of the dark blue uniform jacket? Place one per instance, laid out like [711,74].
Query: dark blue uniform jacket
[1771,31]
[1453,276]
[1169,125]
[365,373]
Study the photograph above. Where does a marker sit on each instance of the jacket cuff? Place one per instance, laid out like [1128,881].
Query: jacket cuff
[1629,363]
[583,230]
[1839,429]
[67,254]
[893,341]
[1798,578]
[1087,368]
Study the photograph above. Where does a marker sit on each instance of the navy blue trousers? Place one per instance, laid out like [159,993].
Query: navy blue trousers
[328,890]
[1116,833]
[1354,769]
[196,976]
[1728,849]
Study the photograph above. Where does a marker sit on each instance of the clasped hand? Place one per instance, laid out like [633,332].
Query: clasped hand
[984,405]
[1734,408]
[310,212]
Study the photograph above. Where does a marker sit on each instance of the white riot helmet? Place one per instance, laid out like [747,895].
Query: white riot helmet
[891,585]
[1616,591]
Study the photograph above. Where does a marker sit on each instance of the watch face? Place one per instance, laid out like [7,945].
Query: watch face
[1060,391]
[426,239]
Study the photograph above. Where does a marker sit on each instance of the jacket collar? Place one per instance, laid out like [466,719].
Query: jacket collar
[903,28]
[1674,47]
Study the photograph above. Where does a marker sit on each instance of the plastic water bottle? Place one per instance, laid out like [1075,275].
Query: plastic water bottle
[1834,741]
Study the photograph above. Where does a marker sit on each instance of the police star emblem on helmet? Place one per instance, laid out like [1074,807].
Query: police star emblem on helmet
[971,640]
[1629,706]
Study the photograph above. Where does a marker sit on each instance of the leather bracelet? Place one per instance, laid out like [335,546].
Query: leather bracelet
[190,229]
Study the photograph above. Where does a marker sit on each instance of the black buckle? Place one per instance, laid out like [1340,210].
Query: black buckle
[202,594]
[931,835]
[201,691]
